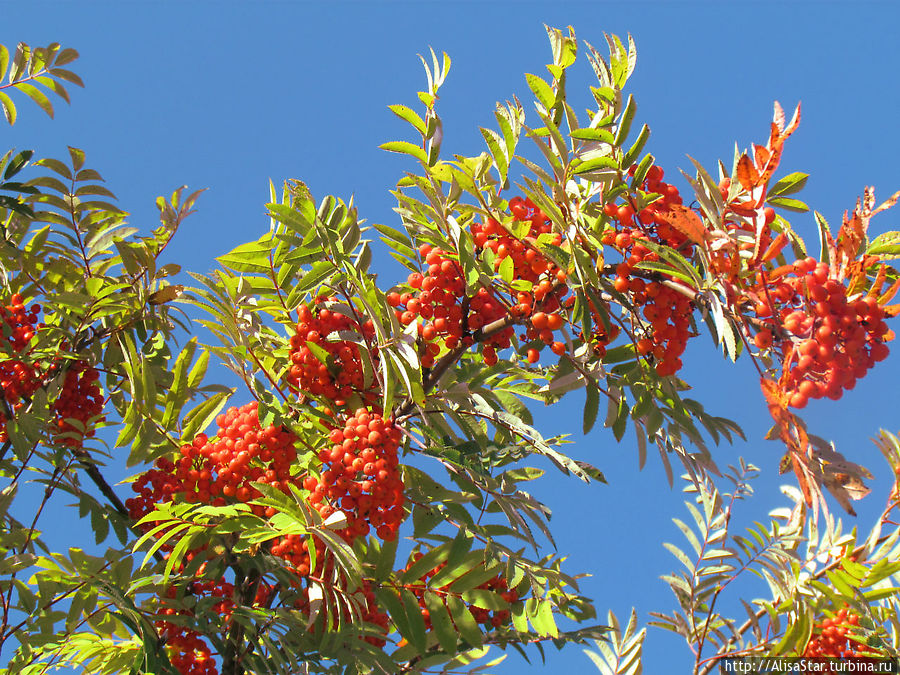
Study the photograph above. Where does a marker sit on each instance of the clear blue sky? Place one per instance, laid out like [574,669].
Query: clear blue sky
[227,95]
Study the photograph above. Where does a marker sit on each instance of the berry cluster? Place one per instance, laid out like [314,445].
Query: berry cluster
[438,294]
[219,471]
[187,651]
[486,617]
[19,379]
[362,478]
[79,403]
[437,297]
[545,298]
[342,374]
[827,340]
[667,312]
[831,637]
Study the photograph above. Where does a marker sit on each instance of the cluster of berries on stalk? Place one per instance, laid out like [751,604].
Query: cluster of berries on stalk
[666,310]
[826,338]
[319,328]
[220,471]
[362,477]
[79,404]
[19,378]
[447,317]
[832,638]
[188,652]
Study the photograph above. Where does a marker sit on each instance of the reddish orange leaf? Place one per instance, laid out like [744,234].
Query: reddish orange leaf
[746,173]
[776,143]
[746,208]
[775,247]
[889,294]
[762,154]
[686,221]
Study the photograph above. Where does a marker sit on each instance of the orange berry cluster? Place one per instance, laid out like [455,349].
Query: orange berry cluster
[545,298]
[343,375]
[438,294]
[486,617]
[827,341]
[18,379]
[830,638]
[437,297]
[187,650]
[79,399]
[294,548]
[362,477]
[667,312]
[220,471]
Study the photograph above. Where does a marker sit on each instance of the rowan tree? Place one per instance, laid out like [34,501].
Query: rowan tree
[359,502]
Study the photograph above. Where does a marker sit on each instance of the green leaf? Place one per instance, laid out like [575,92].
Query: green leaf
[626,120]
[594,164]
[542,91]
[4,61]
[886,245]
[203,414]
[16,164]
[788,185]
[410,116]
[36,95]
[788,204]
[636,149]
[426,563]
[405,148]
[441,623]
[416,620]
[601,135]
[67,75]
[465,622]
[485,599]
[542,618]
[250,257]
[507,269]
[9,108]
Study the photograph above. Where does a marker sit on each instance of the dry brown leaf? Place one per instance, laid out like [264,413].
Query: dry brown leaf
[887,203]
[165,294]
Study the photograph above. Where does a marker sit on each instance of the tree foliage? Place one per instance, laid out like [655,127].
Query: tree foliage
[359,501]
